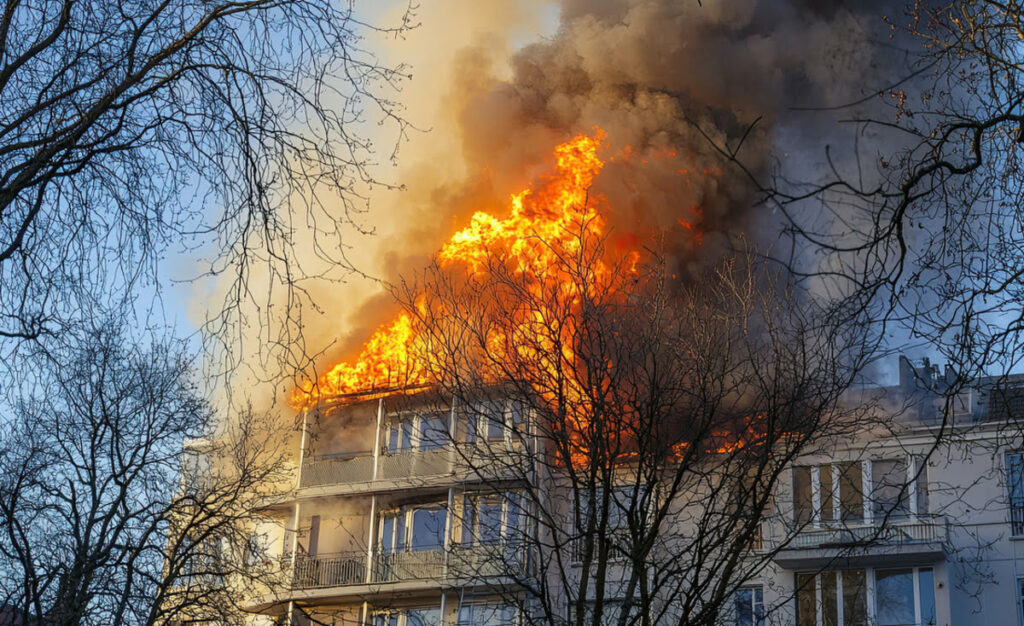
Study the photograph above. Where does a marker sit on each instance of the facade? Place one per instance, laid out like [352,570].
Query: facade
[369,537]
[405,505]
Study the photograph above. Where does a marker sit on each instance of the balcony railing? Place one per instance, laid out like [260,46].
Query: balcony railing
[409,464]
[1017,517]
[892,533]
[411,565]
[462,562]
[329,570]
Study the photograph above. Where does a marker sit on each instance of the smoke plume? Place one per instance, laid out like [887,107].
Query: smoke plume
[674,84]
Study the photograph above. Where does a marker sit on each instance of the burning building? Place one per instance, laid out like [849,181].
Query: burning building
[556,432]
[583,415]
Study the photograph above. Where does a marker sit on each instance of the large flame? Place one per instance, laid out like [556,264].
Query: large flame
[541,222]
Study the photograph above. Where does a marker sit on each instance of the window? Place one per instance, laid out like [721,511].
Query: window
[487,615]
[416,528]
[493,415]
[1015,485]
[616,535]
[825,494]
[421,432]
[904,596]
[749,606]
[894,597]
[890,494]
[427,529]
[486,422]
[433,432]
[1020,598]
[489,519]
[901,597]
[851,491]
[399,437]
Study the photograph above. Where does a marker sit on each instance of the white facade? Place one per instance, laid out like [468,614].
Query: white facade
[884,529]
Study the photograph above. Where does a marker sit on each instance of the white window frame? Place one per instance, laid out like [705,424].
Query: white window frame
[1020,600]
[867,490]
[504,535]
[754,588]
[416,431]
[406,513]
[492,605]
[1009,490]
[402,615]
[871,592]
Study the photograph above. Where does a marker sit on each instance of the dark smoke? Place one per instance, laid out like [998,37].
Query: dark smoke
[765,77]
[667,75]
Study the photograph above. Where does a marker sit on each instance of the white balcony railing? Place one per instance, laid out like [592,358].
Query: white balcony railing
[892,533]
[485,461]
[461,562]
[329,570]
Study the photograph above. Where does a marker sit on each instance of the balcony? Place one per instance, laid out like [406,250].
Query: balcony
[896,542]
[359,468]
[349,569]
[1016,517]
[360,471]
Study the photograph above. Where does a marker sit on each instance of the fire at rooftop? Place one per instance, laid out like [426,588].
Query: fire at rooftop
[544,220]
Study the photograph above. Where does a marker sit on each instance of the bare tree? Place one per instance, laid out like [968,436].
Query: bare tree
[133,129]
[650,424]
[918,216]
[97,527]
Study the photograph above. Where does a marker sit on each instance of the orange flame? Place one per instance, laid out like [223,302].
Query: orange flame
[553,212]
[542,222]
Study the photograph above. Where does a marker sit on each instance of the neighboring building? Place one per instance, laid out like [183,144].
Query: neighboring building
[389,527]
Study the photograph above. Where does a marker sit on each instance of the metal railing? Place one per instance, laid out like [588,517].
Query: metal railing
[410,565]
[414,464]
[329,570]
[462,562]
[475,561]
[333,471]
[1017,518]
[891,533]
[409,464]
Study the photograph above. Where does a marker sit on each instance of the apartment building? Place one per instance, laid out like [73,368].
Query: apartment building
[405,512]
[391,523]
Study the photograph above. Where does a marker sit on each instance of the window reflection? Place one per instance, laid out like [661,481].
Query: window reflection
[894,597]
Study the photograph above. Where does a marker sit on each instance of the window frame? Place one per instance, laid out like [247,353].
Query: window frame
[497,608]
[915,496]
[757,613]
[508,500]
[871,593]
[400,617]
[1014,504]
[407,515]
[411,432]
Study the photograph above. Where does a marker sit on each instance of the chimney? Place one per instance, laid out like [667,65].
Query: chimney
[908,374]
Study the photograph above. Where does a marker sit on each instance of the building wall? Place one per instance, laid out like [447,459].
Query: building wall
[975,581]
